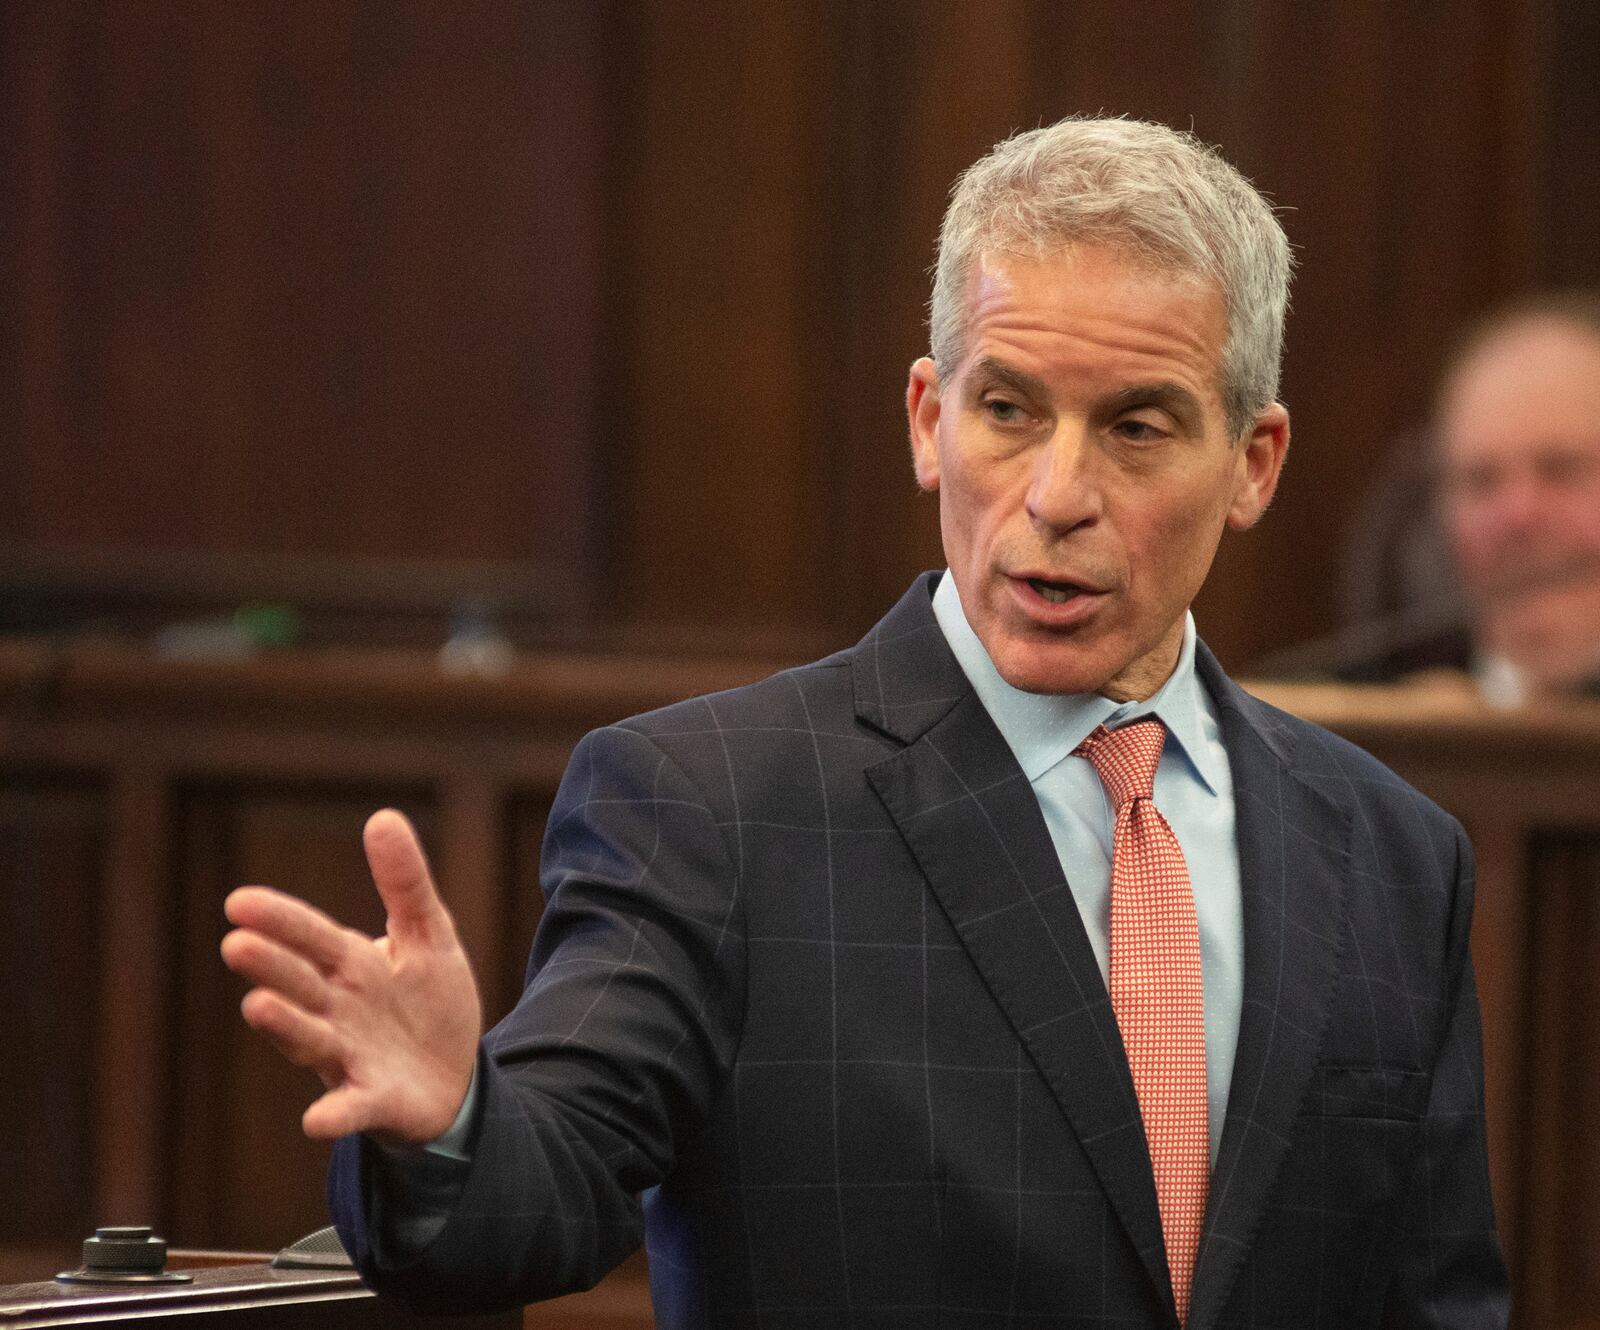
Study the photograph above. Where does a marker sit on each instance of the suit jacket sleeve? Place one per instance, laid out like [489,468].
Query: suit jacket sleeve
[1451,1273]
[620,1043]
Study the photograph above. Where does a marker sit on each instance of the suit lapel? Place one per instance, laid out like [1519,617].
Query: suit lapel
[972,821]
[1293,865]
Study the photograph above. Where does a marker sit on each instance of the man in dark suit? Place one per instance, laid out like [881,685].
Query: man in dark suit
[843,992]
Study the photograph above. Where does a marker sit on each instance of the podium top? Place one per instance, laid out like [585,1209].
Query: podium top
[232,1297]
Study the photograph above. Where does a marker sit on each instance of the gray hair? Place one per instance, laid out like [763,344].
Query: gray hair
[1158,193]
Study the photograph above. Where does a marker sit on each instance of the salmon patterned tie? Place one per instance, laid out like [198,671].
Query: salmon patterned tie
[1155,987]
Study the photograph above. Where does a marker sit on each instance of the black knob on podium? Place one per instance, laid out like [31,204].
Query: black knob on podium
[128,1250]
[123,1254]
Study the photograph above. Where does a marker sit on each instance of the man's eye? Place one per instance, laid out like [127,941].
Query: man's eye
[1138,431]
[1567,469]
[1001,411]
[1471,484]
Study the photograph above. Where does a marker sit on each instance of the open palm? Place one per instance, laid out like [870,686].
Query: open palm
[391,1024]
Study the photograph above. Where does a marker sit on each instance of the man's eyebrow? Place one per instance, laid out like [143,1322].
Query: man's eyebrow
[1173,398]
[991,370]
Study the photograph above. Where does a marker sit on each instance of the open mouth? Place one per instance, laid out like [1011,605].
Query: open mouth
[1057,593]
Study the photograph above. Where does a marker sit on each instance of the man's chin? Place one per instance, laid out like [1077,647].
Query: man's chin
[1553,671]
[1055,671]
[1555,646]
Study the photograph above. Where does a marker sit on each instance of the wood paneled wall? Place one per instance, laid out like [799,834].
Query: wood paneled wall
[54,839]
[625,293]
[311,278]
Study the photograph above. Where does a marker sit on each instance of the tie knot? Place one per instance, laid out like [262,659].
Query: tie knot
[1126,758]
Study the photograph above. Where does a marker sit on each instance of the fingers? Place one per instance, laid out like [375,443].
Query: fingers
[309,1042]
[257,958]
[338,1113]
[400,872]
[292,923]
[305,1039]
[383,1022]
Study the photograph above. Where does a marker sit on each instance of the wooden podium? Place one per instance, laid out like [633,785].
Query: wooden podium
[241,1292]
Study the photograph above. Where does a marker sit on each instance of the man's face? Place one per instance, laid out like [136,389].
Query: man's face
[1520,436]
[1083,464]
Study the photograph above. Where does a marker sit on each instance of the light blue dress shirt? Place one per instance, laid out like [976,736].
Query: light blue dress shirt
[1193,790]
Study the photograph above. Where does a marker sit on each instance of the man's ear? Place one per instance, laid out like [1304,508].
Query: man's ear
[1260,464]
[922,410]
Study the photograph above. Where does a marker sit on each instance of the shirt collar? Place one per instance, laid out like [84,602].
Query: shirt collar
[1042,729]
[1499,681]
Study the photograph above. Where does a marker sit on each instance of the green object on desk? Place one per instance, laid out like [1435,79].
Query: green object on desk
[267,623]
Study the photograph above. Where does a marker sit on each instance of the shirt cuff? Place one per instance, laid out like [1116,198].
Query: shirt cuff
[456,1141]
[416,1186]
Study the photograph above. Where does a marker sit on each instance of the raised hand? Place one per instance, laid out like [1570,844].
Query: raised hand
[391,1024]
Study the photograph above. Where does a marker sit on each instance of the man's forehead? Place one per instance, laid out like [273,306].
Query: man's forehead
[1094,282]
[999,261]
[1534,384]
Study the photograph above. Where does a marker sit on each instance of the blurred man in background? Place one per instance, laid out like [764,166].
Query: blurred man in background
[1518,427]
[1474,558]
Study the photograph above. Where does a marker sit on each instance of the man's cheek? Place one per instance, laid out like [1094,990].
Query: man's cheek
[1473,541]
[1583,519]
[1182,538]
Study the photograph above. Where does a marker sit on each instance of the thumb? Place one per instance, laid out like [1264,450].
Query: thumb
[400,872]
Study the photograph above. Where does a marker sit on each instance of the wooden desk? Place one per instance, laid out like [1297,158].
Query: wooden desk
[138,792]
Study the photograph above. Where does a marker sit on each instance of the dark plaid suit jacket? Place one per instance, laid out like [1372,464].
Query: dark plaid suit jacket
[812,994]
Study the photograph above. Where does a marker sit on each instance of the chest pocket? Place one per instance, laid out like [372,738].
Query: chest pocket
[1393,1094]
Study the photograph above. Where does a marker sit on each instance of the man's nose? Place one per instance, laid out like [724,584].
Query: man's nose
[1064,490]
[1518,504]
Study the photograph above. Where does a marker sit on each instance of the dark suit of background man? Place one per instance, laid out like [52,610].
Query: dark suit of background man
[819,995]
